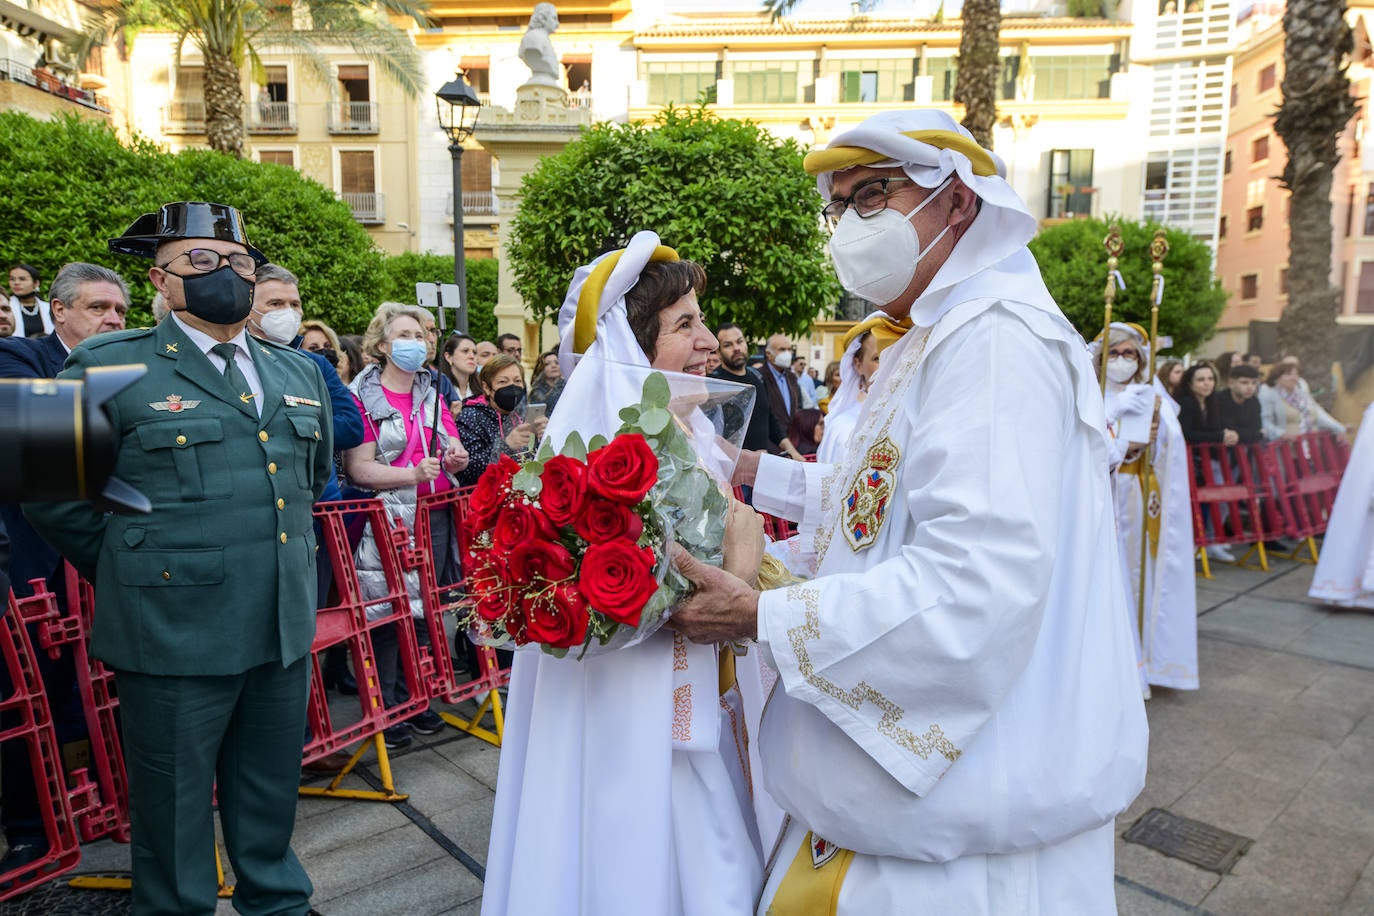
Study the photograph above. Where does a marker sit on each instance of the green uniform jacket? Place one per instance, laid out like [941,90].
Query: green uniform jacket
[220,577]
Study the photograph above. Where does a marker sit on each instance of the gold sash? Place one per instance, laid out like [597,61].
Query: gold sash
[1149,485]
[808,889]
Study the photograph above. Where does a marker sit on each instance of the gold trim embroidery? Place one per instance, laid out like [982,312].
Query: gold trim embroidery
[682,713]
[922,746]
[679,652]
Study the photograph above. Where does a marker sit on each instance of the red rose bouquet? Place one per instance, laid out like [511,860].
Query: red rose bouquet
[572,549]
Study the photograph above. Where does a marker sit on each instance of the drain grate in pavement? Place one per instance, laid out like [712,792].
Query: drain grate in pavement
[1192,841]
[58,899]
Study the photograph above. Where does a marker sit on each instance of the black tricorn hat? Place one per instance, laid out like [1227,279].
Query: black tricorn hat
[184,220]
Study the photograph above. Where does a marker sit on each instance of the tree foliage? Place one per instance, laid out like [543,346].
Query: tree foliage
[724,193]
[402,271]
[1074,266]
[232,34]
[69,186]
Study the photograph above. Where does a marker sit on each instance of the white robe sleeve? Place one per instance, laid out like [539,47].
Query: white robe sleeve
[912,656]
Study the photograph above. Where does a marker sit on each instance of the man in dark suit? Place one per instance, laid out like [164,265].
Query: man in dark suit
[86,299]
[784,394]
[205,608]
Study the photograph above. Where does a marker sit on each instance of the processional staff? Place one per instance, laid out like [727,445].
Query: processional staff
[1149,486]
[1114,248]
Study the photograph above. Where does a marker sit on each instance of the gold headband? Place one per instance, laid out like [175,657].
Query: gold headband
[844,157]
[887,331]
[589,299]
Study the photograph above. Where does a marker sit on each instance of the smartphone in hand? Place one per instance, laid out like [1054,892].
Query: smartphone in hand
[535,412]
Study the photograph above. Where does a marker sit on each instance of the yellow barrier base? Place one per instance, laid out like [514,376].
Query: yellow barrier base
[1206,564]
[121,883]
[388,791]
[1308,544]
[1255,548]
[474,727]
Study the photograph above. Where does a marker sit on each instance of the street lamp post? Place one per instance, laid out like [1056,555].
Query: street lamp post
[457,106]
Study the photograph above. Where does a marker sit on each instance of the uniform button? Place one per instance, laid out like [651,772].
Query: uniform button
[262,434]
[281,504]
[181,440]
[283,537]
[317,434]
[166,574]
[271,467]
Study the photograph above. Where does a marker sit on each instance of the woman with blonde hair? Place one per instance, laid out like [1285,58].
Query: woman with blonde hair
[318,337]
[410,448]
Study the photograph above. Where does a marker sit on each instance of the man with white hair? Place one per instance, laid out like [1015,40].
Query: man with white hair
[959,719]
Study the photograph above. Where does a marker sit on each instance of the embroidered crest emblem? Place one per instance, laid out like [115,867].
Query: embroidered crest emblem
[1153,506]
[865,505]
[297,401]
[822,851]
[174,404]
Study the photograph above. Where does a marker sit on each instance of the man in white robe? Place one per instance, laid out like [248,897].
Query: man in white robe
[958,719]
[1167,630]
[1345,571]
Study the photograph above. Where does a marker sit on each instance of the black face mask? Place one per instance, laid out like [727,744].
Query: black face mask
[219,297]
[330,354]
[509,397]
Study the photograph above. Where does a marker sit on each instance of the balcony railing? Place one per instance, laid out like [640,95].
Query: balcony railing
[475,203]
[367,206]
[46,81]
[184,118]
[270,117]
[353,118]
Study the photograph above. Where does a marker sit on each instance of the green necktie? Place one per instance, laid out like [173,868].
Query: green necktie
[233,376]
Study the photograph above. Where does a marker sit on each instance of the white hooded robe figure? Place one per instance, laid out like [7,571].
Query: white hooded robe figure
[1345,569]
[1167,643]
[958,719]
[625,782]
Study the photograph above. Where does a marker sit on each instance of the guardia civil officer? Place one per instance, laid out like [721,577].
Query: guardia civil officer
[205,608]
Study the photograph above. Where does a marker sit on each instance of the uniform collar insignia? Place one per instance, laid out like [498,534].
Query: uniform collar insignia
[174,404]
[171,348]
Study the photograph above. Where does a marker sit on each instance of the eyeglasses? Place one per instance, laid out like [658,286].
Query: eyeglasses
[1128,352]
[207,259]
[868,198]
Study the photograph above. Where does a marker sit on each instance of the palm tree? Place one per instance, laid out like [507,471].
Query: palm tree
[980,67]
[232,33]
[980,63]
[1316,107]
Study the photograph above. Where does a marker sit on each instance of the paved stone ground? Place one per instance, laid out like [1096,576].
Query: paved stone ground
[1276,746]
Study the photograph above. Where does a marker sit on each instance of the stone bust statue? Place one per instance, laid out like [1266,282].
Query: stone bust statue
[536,50]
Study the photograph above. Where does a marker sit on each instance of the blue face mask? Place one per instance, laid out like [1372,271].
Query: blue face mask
[409,355]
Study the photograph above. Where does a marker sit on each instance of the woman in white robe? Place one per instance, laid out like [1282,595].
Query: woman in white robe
[625,779]
[1166,633]
[1345,572]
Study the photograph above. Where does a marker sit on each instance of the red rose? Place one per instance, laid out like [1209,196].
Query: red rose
[624,470]
[556,618]
[493,605]
[564,488]
[602,520]
[539,559]
[618,579]
[519,522]
[490,494]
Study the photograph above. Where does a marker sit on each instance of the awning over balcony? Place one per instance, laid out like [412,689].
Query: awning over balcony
[32,24]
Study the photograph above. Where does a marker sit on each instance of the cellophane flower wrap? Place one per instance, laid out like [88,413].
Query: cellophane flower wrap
[571,551]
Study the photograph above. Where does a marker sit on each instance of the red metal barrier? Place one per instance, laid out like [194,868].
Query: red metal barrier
[1223,482]
[1305,474]
[28,701]
[345,623]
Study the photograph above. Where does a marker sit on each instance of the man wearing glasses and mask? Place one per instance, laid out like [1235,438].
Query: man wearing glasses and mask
[205,608]
[956,669]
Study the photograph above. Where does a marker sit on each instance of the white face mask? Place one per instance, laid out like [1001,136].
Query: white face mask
[279,325]
[783,360]
[875,258]
[1122,369]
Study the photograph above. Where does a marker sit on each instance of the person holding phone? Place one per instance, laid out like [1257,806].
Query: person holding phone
[493,423]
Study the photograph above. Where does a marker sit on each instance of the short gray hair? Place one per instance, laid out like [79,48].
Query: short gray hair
[66,286]
[275,272]
[159,307]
